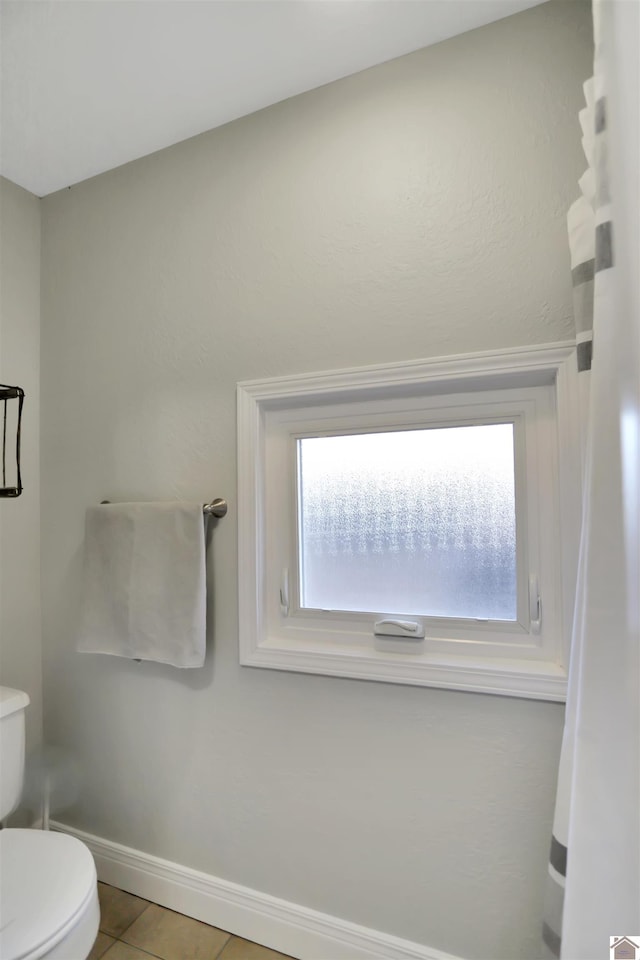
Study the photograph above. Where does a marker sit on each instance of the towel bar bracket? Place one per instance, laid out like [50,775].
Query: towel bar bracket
[217,508]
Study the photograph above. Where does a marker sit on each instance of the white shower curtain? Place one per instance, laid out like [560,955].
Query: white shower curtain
[593,893]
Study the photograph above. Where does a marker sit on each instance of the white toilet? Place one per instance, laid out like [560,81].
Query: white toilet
[48,886]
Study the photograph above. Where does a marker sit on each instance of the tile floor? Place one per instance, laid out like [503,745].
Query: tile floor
[135,929]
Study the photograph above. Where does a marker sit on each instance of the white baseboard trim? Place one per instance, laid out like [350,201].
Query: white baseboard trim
[292,929]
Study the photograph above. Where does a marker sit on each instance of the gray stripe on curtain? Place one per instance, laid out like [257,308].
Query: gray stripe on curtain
[551,939]
[600,118]
[558,856]
[585,356]
[583,306]
[604,246]
[553,906]
[583,273]
[582,279]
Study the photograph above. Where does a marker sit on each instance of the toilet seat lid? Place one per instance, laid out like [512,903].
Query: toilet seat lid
[45,882]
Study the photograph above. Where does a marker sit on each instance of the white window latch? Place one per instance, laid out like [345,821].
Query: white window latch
[284,593]
[407,629]
[535,604]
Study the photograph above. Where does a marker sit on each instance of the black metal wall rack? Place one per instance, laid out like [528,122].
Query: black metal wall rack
[6,394]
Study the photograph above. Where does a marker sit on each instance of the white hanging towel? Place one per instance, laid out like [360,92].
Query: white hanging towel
[145,582]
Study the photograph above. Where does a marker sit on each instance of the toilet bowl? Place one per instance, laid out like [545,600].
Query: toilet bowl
[48,885]
[48,896]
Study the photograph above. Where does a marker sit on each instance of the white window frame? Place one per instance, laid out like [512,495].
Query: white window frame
[509,659]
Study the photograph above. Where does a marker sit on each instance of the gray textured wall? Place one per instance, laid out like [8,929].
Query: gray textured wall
[20,635]
[414,210]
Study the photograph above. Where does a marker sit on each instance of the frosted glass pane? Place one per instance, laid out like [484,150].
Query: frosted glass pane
[417,522]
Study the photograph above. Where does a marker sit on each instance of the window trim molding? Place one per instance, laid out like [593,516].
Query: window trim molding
[554,363]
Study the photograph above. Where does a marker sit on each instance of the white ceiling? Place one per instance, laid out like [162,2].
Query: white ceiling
[90,84]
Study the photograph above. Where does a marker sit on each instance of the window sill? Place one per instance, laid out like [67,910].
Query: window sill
[534,679]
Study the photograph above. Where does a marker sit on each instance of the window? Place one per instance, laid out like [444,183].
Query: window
[419,522]
[413,523]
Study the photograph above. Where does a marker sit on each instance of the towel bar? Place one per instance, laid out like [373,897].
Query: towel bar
[217,508]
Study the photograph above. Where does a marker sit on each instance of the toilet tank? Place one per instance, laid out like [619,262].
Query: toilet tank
[12,707]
